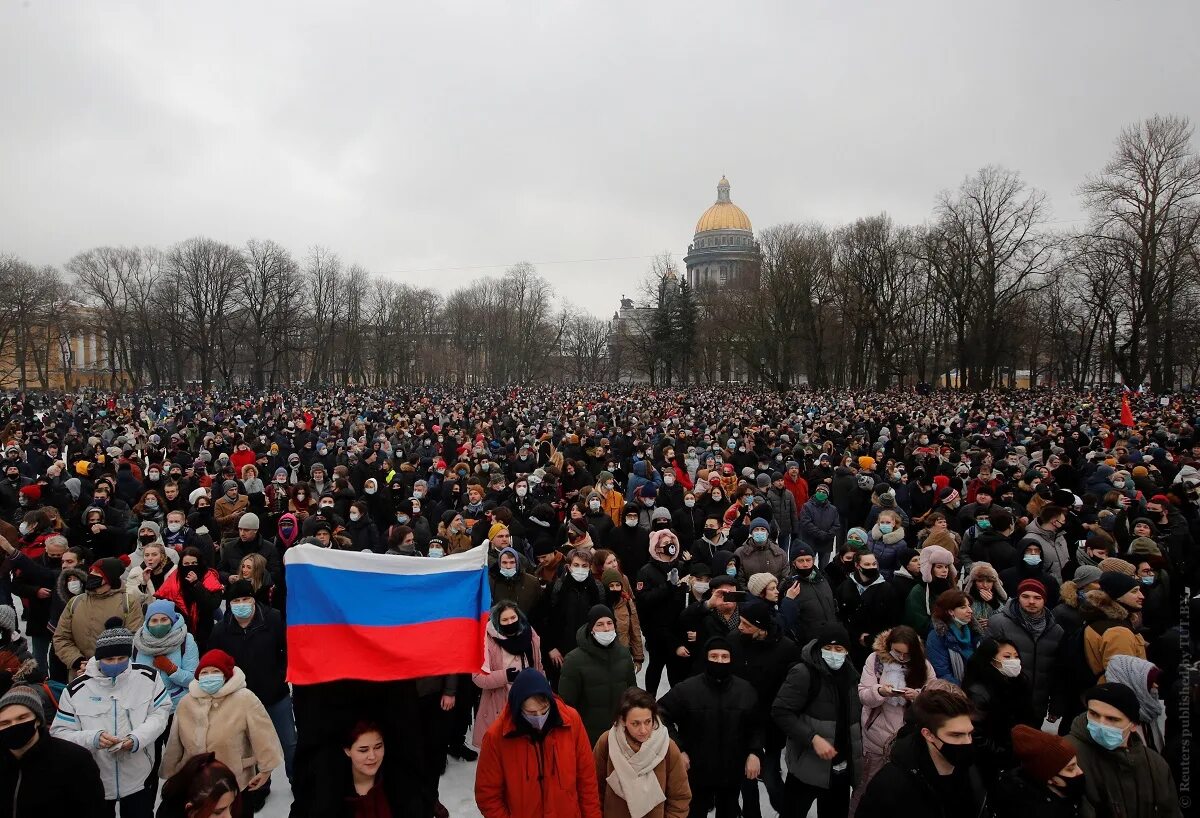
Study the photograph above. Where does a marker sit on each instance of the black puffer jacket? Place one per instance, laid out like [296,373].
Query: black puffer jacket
[812,607]
[568,608]
[659,603]
[1038,652]
[716,723]
[260,650]
[764,663]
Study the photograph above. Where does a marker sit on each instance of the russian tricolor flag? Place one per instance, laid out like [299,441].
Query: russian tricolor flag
[379,617]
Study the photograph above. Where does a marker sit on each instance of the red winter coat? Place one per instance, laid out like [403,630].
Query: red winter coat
[171,590]
[798,488]
[511,780]
[241,460]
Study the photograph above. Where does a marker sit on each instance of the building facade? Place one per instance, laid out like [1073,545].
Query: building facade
[723,252]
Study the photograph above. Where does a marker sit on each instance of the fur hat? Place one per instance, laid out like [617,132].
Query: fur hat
[932,555]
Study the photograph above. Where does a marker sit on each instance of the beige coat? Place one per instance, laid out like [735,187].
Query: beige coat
[233,724]
[83,621]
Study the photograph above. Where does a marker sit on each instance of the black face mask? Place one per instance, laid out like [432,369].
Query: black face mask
[93,583]
[806,572]
[868,574]
[17,736]
[511,629]
[958,755]
[613,597]
[1074,788]
[146,539]
[719,671]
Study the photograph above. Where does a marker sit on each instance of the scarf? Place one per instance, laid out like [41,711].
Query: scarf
[1035,625]
[253,485]
[518,645]
[151,645]
[633,779]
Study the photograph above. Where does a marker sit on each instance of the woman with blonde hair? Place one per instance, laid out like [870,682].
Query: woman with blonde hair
[253,569]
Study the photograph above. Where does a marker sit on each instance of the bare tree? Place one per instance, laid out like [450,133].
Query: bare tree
[207,274]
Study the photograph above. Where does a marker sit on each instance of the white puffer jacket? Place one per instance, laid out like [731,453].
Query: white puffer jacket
[134,704]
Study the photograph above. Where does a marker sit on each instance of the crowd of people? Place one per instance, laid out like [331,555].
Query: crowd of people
[968,604]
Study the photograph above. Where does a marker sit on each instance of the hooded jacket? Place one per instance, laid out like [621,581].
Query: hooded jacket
[882,716]
[1055,551]
[231,723]
[523,589]
[1108,631]
[1066,612]
[717,724]
[526,774]
[135,703]
[1130,782]
[83,619]
[802,714]
[592,680]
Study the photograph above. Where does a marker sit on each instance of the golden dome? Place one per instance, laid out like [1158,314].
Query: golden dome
[724,215]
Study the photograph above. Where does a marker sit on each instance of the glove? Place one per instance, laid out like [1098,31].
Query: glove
[165,665]
[511,674]
[673,576]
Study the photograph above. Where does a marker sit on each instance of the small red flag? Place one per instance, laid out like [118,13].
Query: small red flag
[1126,412]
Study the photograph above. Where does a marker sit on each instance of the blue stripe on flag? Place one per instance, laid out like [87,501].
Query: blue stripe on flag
[332,596]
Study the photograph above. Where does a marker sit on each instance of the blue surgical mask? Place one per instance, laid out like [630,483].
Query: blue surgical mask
[112,671]
[436,552]
[211,684]
[760,536]
[1147,580]
[833,658]
[1107,736]
[508,573]
[731,571]
[1033,559]
[885,528]
[242,610]
[538,722]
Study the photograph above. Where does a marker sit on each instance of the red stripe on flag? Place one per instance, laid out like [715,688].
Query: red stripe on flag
[327,653]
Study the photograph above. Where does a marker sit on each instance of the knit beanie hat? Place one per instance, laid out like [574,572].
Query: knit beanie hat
[219,659]
[858,538]
[759,582]
[8,619]
[115,640]
[28,697]
[597,613]
[249,521]
[153,526]
[759,522]
[1116,584]
[1119,696]
[227,485]
[239,589]
[1109,564]
[832,633]
[496,529]
[165,607]
[1032,585]
[1086,575]
[763,481]
[1043,755]
[111,569]
[610,576]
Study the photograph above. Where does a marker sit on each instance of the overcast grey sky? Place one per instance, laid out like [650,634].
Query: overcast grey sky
[411,136]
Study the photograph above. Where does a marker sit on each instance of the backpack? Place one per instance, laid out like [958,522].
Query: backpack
[1072,665]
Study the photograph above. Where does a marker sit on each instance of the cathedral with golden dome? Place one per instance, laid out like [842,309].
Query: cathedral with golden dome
[723,251]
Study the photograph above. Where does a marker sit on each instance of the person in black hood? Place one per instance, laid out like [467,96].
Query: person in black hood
[1003,698]
[712,616]
[931,771]
[1031,566]
[994,545]
[631,543]
[762,655]
[713,718]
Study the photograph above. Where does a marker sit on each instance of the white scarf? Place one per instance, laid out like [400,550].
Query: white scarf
[633,779]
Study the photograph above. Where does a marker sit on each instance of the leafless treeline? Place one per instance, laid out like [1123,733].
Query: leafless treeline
[985,289]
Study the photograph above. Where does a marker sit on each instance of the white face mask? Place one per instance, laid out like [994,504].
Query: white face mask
[370,490]
[174,528]
[605,638]
[631,521]
[522,491]
[833,658]
[75,587]
[700,587]
[354,515]
[579,574]
[689,502]
[594,505]
[669,479]
[1010,667]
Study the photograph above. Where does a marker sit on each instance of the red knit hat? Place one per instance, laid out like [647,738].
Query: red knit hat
[219,659]
[1032,585]
[1043,755]
[33,492]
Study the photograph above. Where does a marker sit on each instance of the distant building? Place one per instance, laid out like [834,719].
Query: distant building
[723,255]
[723,251]
[71,352]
